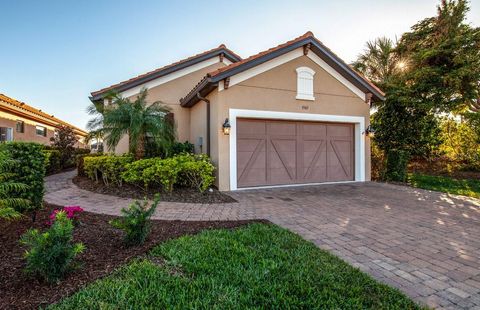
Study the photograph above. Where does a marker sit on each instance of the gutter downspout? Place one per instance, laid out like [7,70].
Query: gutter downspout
[208,121]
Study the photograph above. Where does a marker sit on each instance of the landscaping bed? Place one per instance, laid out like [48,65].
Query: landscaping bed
[180,194]
[105,252]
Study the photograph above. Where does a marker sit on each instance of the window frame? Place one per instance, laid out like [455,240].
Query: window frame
[44,130]
[22,124]
[305,79]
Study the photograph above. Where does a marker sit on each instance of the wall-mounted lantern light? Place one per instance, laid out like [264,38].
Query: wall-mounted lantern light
[226,127]
[369,131]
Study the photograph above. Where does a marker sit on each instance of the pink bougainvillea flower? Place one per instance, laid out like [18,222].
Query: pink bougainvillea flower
[71,212]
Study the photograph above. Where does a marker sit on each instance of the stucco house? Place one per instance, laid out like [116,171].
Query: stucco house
[294,114]
[22,122]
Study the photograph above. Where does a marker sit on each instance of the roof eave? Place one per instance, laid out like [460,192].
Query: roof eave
[96,96]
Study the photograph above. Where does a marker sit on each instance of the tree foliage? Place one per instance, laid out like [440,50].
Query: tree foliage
[437,72]
[140,121]
[64,141]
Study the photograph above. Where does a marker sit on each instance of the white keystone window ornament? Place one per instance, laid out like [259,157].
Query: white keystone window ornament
[305,83]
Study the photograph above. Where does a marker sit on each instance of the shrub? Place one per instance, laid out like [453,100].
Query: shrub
[396,165]
[185,169]
[134,171]
[108,167]
[164,171]
[196,171]
[81,151]
[80,162]
[10,190]
[50,254]
[179,148]
[29,168]
[136,221]
[53,161]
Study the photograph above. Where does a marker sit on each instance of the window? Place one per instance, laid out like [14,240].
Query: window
[41,131]
[6,134]
[20,127]
[305,83]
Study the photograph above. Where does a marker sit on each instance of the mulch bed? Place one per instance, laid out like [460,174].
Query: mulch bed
[104,253]
[138,192]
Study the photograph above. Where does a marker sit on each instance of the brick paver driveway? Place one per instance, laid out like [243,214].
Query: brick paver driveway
[425,243]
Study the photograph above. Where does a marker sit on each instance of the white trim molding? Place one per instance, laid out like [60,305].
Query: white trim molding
[280,60]
[305,89]
[174,75]
[358,121]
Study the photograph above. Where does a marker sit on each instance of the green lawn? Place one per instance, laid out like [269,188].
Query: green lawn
[260,266]
[445,184]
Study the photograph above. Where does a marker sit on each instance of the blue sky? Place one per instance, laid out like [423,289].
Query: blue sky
[54,53]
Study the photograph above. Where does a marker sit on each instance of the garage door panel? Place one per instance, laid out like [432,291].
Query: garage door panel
[293,152]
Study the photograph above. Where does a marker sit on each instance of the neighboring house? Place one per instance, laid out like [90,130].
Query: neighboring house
[297,113]
[21,122]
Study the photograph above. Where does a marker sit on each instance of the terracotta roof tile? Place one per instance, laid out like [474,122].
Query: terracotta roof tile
[27,109]
[112,87]
[236,64]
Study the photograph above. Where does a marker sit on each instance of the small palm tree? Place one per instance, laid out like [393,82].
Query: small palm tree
[9,202]
[139,121]
[379,61]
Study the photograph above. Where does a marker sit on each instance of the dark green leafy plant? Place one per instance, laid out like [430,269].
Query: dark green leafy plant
[53,160]
[50,255]
[136,221]
[10,190]
[29,169]
[397,161]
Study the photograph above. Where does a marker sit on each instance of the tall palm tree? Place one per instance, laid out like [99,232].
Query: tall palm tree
[140,121]
[379,61]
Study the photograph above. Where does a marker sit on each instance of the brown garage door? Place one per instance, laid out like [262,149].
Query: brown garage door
[272,152]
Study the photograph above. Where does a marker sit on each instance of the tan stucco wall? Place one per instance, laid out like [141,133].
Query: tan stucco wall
[170,94]
[198,126]
[275,90]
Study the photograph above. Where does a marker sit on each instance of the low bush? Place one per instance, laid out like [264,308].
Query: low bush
[53,161]
[109,168]
[188,170]
[134,171]
[80,162]
[29,169]
[396,165]
[196,171]
[50,255]
[136,221]
[179,148]
[163,171]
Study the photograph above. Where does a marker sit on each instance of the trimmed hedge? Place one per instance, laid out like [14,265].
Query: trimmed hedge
[108,168]
[53,160]
[29,169]
[188,170]
[80,162]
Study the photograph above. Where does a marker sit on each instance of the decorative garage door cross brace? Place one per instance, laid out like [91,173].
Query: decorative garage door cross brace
[271,152]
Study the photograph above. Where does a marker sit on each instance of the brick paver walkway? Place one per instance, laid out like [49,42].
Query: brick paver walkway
[425,243]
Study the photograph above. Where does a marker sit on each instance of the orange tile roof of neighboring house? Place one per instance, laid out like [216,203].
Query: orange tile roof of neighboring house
[28,111]
[129,81]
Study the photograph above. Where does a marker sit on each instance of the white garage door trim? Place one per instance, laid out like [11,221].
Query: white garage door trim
[359,137]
